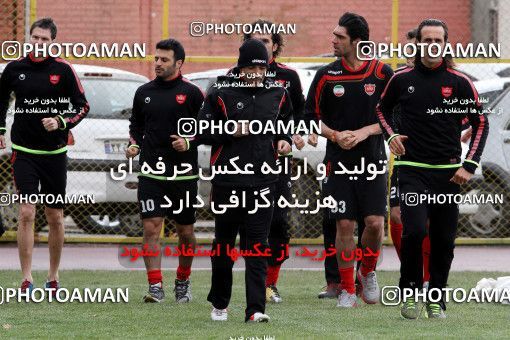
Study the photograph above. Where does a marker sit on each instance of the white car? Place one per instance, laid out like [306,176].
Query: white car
[493,220]
[96,144]
[485,71]
[475,71]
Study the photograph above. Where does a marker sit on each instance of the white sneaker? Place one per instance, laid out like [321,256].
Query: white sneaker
[219,314]
[347,300]
[370,292]
[258,317]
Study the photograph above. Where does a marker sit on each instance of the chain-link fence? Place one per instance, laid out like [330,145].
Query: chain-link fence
[98,143]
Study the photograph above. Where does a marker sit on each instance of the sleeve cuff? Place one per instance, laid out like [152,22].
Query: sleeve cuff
[134,145]
[470,166]
[392,136]
[2,131]
[187,144]
[63,124]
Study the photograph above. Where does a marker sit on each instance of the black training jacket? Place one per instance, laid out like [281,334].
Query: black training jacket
[268,103]
[42,89]
[157,108]
[433,104]
[345,99]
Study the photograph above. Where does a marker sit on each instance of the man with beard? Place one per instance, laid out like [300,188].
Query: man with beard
[429,150]
[157,108]
[342,97]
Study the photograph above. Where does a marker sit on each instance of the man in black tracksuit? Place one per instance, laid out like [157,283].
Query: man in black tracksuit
[428,143]
[44,89]
[249,102]
[279,234]
[157,108]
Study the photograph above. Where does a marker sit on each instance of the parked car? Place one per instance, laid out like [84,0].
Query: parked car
[475,71]
[485,71]
[493,220]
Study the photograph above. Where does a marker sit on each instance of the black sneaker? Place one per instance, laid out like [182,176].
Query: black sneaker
[182,291]
[156,293]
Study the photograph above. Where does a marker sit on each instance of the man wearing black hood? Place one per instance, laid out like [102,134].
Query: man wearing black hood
[248,97]
[279,234]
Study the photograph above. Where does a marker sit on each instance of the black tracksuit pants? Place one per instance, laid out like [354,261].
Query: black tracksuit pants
[252,229]
[279,236]
[443,217]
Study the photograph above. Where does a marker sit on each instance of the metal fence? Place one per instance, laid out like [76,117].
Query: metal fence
[98,143]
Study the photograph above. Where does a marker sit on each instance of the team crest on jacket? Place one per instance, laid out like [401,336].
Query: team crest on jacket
[280,82]
[446,91]
[338,90]
[180,98]
[370,89]
[54,78]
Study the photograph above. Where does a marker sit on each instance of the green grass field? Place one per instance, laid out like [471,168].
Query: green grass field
[301,315]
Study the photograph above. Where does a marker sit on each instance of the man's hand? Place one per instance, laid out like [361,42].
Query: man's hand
[345,139]
[283,147]
[313,139]
[2,142]
[359,136]
[298,141]
[132,151]
[179,144]
[50,124]
[462,176]
[242,129]
[397,145]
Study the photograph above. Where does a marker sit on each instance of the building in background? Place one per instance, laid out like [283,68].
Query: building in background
[143,21]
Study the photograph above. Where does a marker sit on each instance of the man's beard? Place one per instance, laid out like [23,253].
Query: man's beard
[169,72]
